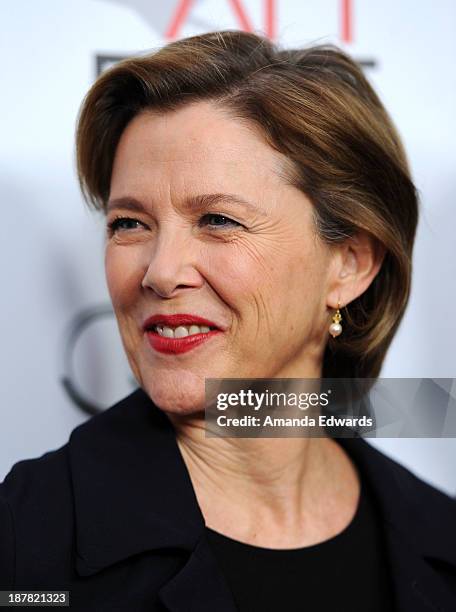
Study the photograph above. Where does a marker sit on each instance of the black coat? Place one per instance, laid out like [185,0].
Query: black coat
[112,517]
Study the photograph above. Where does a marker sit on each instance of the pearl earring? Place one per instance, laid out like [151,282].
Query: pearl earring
[335,329]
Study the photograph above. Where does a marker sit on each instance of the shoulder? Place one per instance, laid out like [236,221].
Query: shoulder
[35,513]
[38,498]
[417,519]
[412,486]
[405,498]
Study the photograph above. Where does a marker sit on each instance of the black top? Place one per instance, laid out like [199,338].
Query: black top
[349,572]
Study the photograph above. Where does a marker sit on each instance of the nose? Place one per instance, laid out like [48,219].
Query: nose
[172,266]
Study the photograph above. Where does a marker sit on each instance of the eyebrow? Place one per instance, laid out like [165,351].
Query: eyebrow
[197,202]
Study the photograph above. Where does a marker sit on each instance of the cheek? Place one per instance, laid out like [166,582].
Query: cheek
[271,290]
[286,287]
[123,275]
[237,272]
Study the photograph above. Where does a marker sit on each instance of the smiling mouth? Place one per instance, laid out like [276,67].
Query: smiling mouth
[179,339]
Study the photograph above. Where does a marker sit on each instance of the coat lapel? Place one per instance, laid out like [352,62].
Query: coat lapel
[132,491]
[418,587]
[199,586]
[418,524]
[131,448]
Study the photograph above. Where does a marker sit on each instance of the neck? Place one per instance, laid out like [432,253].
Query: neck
[272,492]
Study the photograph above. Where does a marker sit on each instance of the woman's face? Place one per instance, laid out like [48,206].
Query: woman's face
[209,228]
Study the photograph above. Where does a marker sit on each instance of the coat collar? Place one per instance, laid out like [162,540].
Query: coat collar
[132,493]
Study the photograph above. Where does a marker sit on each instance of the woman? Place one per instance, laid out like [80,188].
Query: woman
[251,195]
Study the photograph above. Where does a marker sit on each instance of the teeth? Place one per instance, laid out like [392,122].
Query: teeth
[181,331]
[167,332]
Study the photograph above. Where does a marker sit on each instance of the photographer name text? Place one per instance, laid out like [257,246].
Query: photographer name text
[305,421]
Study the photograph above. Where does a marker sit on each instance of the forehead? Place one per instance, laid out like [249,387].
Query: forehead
[197,141]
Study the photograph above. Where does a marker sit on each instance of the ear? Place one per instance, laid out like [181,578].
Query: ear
[356,262]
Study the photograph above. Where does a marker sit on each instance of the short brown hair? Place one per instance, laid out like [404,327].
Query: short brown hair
[315,106]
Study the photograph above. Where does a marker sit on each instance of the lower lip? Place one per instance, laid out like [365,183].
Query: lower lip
[178,345]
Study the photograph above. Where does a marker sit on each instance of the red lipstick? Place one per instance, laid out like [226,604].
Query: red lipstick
[177,345]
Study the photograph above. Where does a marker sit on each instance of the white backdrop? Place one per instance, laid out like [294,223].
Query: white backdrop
[52,247]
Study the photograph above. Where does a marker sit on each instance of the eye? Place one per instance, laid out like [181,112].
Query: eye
[214,220]
[121,223]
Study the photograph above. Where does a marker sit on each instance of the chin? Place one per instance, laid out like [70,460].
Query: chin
[180,397]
